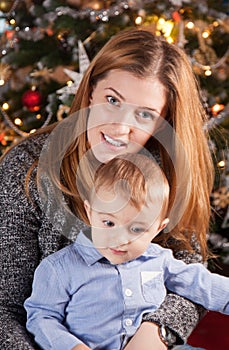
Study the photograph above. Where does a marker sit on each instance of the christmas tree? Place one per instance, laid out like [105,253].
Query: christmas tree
[46,45]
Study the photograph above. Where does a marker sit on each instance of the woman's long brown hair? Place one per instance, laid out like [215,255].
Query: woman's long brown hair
[145,55]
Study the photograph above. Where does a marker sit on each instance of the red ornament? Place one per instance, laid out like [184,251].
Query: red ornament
[31,99]
[2,138]
[176,16]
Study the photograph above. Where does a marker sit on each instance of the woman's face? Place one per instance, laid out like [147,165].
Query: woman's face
[124,112]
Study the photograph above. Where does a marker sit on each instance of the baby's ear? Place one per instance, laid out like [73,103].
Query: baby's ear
[163,224]
[88,209]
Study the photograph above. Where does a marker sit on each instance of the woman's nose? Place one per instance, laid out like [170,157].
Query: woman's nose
[121,128]
[124,120]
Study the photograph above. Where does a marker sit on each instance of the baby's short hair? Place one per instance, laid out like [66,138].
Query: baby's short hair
[137,176]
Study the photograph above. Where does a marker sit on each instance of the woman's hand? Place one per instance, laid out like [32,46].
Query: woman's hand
[81,347]
[146,338]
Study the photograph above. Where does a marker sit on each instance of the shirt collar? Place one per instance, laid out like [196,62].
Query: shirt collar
[86,249]
[90,254]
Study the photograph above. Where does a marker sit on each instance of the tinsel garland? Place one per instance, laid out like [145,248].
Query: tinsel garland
[16,129]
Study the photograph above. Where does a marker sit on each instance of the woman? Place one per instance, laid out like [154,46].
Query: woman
[137,86]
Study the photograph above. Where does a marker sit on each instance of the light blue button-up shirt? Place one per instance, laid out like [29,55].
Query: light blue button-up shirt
[78,296]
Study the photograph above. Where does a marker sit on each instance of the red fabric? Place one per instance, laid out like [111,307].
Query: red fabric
[212,333]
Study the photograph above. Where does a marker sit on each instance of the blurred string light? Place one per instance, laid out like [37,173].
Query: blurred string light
[5,106]
[207,70]
[216,108]
[18,121]
[218,117]
[205,34]
[221,164]
[190,25]
[138,20]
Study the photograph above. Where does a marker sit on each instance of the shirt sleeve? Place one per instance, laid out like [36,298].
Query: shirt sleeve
[46,310]
[179,315]
[195,282]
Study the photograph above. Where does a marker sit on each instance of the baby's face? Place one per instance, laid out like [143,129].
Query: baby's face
[120,231]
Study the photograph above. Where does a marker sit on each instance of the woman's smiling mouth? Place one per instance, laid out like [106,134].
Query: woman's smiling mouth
[113,142]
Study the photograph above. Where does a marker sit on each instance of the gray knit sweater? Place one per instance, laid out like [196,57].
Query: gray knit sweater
[27,236]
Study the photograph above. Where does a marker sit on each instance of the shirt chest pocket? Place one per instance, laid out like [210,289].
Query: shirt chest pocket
[153,289]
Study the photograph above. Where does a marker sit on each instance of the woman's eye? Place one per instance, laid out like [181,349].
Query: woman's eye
[145,115]
[113,101]
[108,223]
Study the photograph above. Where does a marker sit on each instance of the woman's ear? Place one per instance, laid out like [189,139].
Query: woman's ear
[91,96]
[163,224]
[87,209]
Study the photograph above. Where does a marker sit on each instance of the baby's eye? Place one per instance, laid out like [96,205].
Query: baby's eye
[108,223]
[113,100]
[137,230]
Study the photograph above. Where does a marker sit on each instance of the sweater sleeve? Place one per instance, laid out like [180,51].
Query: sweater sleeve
[18,250]
[178,314]
[21,245]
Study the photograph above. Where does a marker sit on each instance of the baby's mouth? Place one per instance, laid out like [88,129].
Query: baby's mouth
[117,251]
[114,142]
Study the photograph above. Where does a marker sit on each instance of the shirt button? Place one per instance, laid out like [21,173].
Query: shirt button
[128,322]
[128,292]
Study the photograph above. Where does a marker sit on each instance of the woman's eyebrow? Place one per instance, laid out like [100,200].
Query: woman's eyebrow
[102,213]
[151,109]
[116,92]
